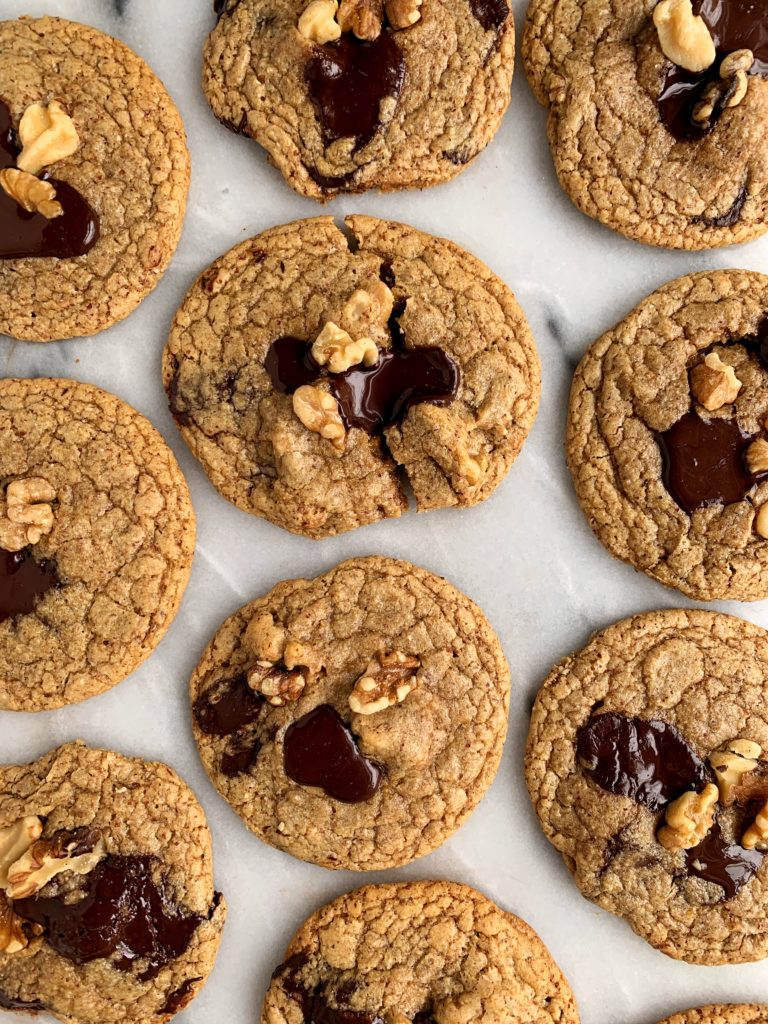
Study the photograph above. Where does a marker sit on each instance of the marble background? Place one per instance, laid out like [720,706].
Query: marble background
[527,556]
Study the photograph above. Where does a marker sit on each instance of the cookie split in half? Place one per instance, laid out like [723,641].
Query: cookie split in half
[94,174]
[668,436]
[384,94]
[354,720]
[308,371]
[729,1013]
[106,889]
[658,114]
[417,952]
[97,535]
[647,764]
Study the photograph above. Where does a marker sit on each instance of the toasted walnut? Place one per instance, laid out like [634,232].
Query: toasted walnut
[319,411]
[47,135]
[32,194]
[363,18]
[318,22]
[734,69]
[367,306]
[14,930]
[689,818]
[757,457]
[714,383]
[28,516]
[335,349]
[387,680]
[276,682]
[761,521]
[684,37]
[50,857]
[736,759]
[402,13]
[15,840]
[756,836]
[710,100]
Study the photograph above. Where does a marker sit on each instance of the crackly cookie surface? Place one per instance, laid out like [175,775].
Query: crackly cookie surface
[413,312]
[353,720]
[647,764]
[96,541]
[729,1013]
[107,909]
[408,105]
[662,153]
[428,952]
[667,436]
[130,166]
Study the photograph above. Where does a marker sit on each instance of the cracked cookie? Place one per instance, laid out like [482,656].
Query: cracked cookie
[307,371]
[354,720]
[384,94]
[647,764]
[730,1013]
[94,173]
[107,909]
[427,952]
[668,436]
[97,535]
[657,113]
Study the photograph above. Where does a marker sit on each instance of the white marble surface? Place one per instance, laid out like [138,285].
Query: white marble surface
[527,556]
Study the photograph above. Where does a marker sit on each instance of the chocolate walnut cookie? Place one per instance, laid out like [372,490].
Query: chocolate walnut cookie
[668,436]
[385,94]
[647,764]
[97,535]
[94,173]
[731,1013]
[107,908]
[354,720]
[421,952]
[658,113]
[307,371]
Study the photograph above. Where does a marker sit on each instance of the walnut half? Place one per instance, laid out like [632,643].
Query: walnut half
[683,36]
[276,682]
[387,680]
[689,818]
[736,759]
[28,514]
[318,410]
[47,135]
[32,194]
[756,836]
[47,858]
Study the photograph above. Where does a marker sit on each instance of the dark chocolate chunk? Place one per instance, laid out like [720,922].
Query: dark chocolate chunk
[23,581]
[726,864]
[320,750]
[645,760]
[178,999]
[227,707]
[490,13]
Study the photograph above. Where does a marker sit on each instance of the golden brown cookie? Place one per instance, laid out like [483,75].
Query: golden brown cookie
[107,907]
[658,114]
[731,1013]
[421,952]
[354,720]
[385,94]
[94,173]
[308,370]
[97,534]
[668,436]
[647,764]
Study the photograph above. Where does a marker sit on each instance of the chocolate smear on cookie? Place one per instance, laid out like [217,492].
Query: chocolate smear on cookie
[320,750]
[24,234]
[228,707]
[645,760]
[726,864]
[490,13]
[24,579]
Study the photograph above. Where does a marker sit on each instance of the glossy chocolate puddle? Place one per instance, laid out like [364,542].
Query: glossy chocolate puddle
[23,581]
[24,234]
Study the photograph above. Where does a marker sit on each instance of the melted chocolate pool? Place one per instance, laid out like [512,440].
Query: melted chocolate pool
[123,912]
[735,25]
[646,760]
[726,864]
[23,581]
[703,462]
[319,750]
[228,707]
[24,234]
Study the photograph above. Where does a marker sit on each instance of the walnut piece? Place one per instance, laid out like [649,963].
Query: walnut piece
[714,383]
[761,521]
[265,638]
[757,457]
[32,194]
[13,936]
[28,516]
[318,22]
[684,37]
[47,858]
[15,840]
[47,135]
[387,680]
[756,836]
[319,411]
[689,818]
[402,13]
[335,349]
[734,69]
[363,18]
[276,682]
[736,759]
